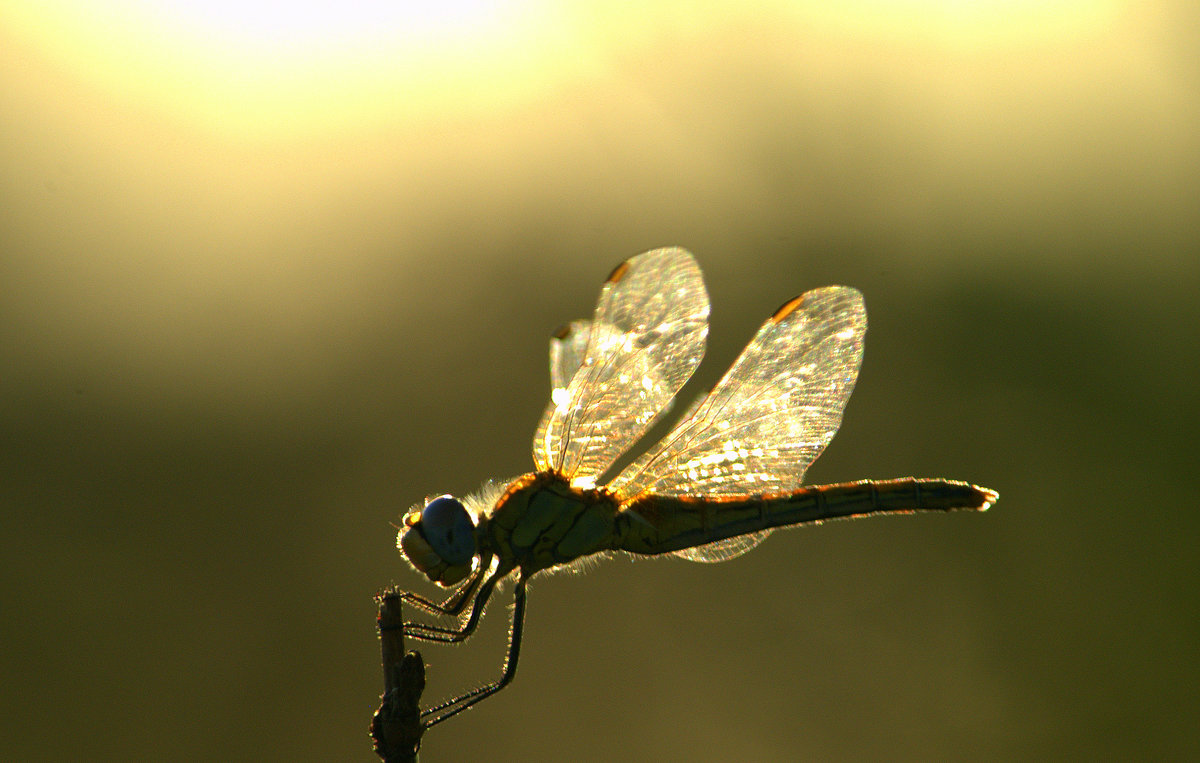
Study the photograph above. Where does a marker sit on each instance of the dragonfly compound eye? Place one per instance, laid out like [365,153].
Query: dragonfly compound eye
[439,541]
[449,530]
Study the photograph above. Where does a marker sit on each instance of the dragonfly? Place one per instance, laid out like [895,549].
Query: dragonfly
[728,473]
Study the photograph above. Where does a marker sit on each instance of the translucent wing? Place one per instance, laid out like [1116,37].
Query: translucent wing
[566,353]
[768,418]
[625,366]
[567,347]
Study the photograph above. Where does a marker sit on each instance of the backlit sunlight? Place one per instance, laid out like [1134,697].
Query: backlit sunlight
[269,69]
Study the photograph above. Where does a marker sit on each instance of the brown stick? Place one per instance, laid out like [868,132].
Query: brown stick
[396,727]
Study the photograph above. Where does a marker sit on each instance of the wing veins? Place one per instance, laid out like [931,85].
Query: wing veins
[646,336]
[826,336]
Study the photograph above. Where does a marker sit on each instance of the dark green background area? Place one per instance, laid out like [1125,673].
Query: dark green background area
[226,367]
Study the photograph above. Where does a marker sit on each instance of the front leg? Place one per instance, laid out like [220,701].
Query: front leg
[424,632]
[457,601]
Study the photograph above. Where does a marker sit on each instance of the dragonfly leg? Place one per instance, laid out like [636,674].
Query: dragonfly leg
[447,607]
[453,707]
[424,632]
[457,601]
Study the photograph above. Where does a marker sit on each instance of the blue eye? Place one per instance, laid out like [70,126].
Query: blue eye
[448,530]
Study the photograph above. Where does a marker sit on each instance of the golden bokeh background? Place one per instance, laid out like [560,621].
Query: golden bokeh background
[272,272]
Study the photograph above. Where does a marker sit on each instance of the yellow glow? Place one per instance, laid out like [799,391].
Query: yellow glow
[256,23]
[968,23]
[279,69]
[273,69]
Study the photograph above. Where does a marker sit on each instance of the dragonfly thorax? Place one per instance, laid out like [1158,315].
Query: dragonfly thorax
[542,521]
[440,540]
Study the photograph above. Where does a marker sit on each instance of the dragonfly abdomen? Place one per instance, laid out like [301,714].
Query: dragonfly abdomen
[663,524]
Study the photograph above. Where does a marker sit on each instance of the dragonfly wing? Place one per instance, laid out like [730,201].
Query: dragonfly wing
[723,550]
[567,347]
[566,355]
[613,377]
[768,418]
[566,352]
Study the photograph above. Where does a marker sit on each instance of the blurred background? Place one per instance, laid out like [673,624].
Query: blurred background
[270,273]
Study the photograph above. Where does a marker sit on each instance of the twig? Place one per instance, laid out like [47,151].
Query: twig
[396,727]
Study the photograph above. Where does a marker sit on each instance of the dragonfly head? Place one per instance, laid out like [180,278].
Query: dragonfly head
[439,540]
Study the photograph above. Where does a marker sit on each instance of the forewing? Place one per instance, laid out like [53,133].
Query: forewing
[567,348]
[769,418]
[643,343]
